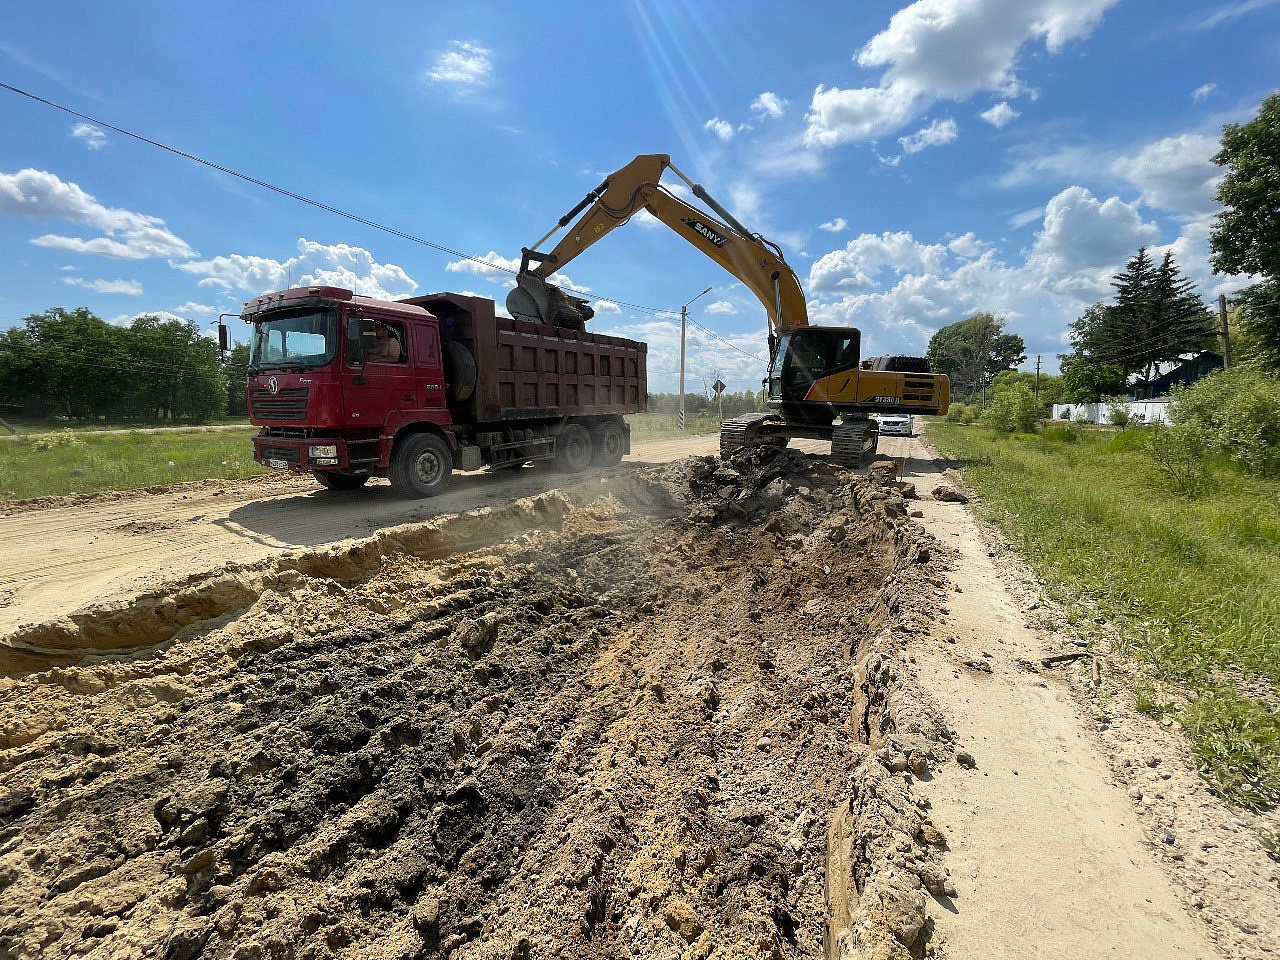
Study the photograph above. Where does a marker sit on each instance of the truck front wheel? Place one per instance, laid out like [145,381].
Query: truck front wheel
[421,466]
[573,449]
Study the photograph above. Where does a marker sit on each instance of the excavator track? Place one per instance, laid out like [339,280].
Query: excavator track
[739,432]
[851,441]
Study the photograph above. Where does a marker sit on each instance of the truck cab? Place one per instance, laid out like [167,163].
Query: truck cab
[327,397]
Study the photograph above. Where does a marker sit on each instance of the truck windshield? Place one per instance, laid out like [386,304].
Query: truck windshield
[294,338]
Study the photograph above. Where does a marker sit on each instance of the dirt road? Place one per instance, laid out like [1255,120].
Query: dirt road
[112,547]
[694,710]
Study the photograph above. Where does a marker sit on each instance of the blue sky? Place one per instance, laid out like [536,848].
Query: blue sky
[917,162]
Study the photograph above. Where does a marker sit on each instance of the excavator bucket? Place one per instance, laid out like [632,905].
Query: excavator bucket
[535,299]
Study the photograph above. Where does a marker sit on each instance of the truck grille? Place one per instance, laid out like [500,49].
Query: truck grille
[289,404]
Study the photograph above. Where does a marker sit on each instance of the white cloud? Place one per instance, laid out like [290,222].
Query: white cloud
[337,265]
[721,128]
[197,308]
[1202,91]
[966,246]
[721,307]
[93,137]
[41,195]
[1001,115]
[1232,11]
[606,306]
[493,266]
[130,287]
[769,104]
[496,268]
[1175,174]
[936,134]
[464,66]
[862,259]
[898,290]
[838,225]
[1020,220]
[943,50]
[1081,233]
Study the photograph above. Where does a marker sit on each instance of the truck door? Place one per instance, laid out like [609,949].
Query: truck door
[394,374]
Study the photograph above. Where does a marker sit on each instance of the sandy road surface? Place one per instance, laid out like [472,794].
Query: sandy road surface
[1048,845]
[57,560]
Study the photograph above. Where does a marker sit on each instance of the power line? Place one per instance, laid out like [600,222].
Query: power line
[641,308]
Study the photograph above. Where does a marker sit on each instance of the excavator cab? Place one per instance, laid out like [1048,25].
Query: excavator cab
[808,354]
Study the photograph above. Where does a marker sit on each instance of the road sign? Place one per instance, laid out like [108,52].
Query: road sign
[681,419]
[719,386]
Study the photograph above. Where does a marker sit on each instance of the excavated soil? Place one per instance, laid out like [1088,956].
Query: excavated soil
[666,719]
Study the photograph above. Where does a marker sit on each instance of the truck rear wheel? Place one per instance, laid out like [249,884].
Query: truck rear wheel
[573,449]
[610,442]
[334,480]
[421,466]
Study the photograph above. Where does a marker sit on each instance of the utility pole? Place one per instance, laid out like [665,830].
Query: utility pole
[1226,334]
[1037,376]
[684,319]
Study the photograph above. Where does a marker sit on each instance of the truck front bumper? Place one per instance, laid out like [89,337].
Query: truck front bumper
[300,455]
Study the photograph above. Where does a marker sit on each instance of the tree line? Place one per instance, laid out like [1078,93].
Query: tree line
[73,364]
[696,404]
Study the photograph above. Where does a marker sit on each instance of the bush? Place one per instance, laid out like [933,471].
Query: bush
[1181,451]
[1012,410]
[1238,412]
[59,438]
[1118,413]
[960,413]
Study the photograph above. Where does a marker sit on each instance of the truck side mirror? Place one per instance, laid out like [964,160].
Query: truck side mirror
[224,337]
[355,342]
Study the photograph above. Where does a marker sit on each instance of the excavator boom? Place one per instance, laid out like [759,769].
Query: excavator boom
[750,258]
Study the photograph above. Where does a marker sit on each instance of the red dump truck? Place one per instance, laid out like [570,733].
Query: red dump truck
[347,387]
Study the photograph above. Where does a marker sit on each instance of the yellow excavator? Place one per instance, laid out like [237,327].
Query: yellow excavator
[817,386]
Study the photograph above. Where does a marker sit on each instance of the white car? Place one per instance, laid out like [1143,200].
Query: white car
[894,424]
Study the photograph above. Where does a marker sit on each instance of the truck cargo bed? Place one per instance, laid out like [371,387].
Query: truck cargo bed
[528,370]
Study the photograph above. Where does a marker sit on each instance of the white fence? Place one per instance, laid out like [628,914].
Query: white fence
[1140,411]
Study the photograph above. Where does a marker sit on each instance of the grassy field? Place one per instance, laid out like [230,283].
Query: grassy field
[653,426]
[47,465]
[26,425]
[1190,586]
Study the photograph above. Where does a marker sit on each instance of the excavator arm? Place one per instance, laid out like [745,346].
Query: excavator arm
[756,262]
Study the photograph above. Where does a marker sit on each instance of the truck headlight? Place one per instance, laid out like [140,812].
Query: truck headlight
[325,450]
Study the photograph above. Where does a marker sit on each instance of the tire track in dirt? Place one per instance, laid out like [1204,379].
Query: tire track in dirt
[66,557]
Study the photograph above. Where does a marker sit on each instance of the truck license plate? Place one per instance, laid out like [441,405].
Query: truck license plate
[278,464]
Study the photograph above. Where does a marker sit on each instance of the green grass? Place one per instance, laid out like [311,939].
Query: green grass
[25,425]
[1192,583]
[61,463]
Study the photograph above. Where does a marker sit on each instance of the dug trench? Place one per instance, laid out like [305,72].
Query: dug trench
[669,718]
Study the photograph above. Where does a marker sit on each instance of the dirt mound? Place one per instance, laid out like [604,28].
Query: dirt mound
[630,731]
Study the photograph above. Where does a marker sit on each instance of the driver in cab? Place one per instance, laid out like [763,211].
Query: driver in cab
[385,347]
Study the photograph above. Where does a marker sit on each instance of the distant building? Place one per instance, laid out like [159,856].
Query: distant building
[1183,375]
